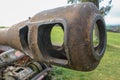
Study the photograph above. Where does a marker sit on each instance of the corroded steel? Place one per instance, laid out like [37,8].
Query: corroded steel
[77,52]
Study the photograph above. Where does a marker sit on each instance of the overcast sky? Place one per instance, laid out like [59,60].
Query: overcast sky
[113,16]
[14,11]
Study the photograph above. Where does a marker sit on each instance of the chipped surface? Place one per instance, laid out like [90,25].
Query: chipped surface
[76,53]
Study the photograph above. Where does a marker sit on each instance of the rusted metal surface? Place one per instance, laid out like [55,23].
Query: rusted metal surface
[15,65]
[4,48]
[77,51]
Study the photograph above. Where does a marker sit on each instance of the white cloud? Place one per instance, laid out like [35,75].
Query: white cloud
[113,17]
[110,20]
[14,11]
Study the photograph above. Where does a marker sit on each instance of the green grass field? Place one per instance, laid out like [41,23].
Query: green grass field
[108,69]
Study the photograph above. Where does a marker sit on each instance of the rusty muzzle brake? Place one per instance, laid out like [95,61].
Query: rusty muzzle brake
[84,36]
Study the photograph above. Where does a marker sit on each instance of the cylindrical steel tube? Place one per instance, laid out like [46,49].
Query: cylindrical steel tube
[11,36]
[77,22]
[3,35]
[79,51]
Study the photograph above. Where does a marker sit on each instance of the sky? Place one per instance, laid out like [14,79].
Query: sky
[14,11]
[113,17]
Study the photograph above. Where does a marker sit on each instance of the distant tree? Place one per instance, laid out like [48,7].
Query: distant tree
[104,9]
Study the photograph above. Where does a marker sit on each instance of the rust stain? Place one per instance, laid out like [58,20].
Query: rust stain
[77,52]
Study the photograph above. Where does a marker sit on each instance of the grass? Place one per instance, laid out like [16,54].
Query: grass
[2,27]
[108,69]
[57,35]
